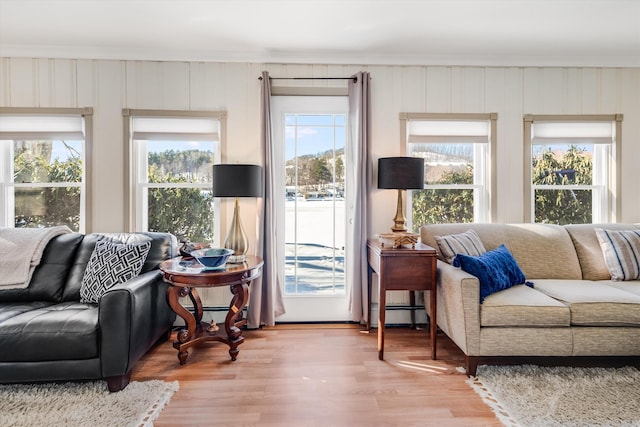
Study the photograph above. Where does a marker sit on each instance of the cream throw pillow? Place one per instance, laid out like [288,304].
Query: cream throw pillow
[467,243]
[621,250]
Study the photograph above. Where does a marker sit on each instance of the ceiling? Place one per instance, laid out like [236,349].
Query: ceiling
[392,32]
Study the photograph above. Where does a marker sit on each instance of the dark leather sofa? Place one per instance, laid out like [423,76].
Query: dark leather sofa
[47,334]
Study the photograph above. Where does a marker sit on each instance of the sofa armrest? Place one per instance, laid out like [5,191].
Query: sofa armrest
[459,307]
[132,317]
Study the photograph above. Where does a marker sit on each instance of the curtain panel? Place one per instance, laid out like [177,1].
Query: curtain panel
[265,302]
[358,188]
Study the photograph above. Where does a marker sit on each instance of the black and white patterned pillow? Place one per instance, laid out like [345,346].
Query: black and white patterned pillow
[110,264]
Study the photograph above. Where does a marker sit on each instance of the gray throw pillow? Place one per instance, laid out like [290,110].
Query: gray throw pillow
[467,243]
[621,251]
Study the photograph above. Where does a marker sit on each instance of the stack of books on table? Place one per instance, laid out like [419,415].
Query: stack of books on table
[398,240]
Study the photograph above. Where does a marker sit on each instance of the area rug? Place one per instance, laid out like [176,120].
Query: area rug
[532,396]
[83,404]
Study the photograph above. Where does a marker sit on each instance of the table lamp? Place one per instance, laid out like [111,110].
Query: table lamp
[237,180]
[400,173]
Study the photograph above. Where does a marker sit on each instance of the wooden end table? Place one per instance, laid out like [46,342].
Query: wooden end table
[402,269]
[186,275]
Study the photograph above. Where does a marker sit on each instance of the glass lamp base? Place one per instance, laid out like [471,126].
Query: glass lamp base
[237,238]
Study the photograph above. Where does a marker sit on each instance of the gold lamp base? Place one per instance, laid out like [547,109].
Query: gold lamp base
[237,238]
[400,237]
[399,221]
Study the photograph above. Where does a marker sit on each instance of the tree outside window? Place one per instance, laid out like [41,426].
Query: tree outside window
[187,213]
[47,178]
[562,180]
[453,190]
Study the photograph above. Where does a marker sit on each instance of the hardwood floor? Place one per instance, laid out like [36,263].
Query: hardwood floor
[318,375]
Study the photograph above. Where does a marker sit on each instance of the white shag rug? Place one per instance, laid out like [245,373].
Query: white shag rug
[83,404]
[533,396]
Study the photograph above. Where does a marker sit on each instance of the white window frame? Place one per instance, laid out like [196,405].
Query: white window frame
[137,132]
[484,186]
[44,123]
[607,158]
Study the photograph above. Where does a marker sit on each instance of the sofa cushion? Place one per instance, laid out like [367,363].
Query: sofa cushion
[42,332]
[496,270]
[467,243]
[11,309]
[621,251]
[588,248]
[523,306]
[542,250]
[632,286]
[594,303]
[111,264]
[49,277]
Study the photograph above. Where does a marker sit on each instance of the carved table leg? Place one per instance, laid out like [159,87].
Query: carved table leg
[240,297]
[197,305]
[174,293]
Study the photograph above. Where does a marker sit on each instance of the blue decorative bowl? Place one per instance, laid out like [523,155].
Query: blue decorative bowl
[212,257]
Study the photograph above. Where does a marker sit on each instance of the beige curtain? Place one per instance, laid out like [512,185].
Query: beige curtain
[358,188]
[265,301]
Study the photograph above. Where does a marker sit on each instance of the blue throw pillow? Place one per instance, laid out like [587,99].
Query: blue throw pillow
[496,270]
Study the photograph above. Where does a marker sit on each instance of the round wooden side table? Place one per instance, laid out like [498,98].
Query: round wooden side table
[184,276]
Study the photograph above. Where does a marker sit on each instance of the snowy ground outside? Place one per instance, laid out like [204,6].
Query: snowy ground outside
[316,263]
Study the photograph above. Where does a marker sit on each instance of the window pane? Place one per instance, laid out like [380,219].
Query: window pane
[47,207]
[446,163]
[314,207]
[563,206]
[319,120]
[180,161]
[184,212]
[562,164]
[313,269]
[47,161]
[441,206]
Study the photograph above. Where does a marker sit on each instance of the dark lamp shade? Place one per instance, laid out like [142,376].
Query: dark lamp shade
[401,173]
[235,180]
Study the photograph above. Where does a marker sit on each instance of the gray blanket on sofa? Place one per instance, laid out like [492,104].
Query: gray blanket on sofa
[20,252]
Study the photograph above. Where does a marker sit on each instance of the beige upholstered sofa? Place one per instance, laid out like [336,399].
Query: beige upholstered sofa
[573,310]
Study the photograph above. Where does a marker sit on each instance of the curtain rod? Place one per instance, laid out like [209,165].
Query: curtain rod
[355,79]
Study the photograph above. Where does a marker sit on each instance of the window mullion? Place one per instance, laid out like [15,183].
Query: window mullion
[6,191]
[601,180]
[140,172]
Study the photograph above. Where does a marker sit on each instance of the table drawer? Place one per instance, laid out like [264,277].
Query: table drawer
[410,273]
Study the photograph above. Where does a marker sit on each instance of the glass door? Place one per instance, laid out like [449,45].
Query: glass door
[311,133]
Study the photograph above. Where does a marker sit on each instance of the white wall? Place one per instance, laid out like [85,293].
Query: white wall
[108,86]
